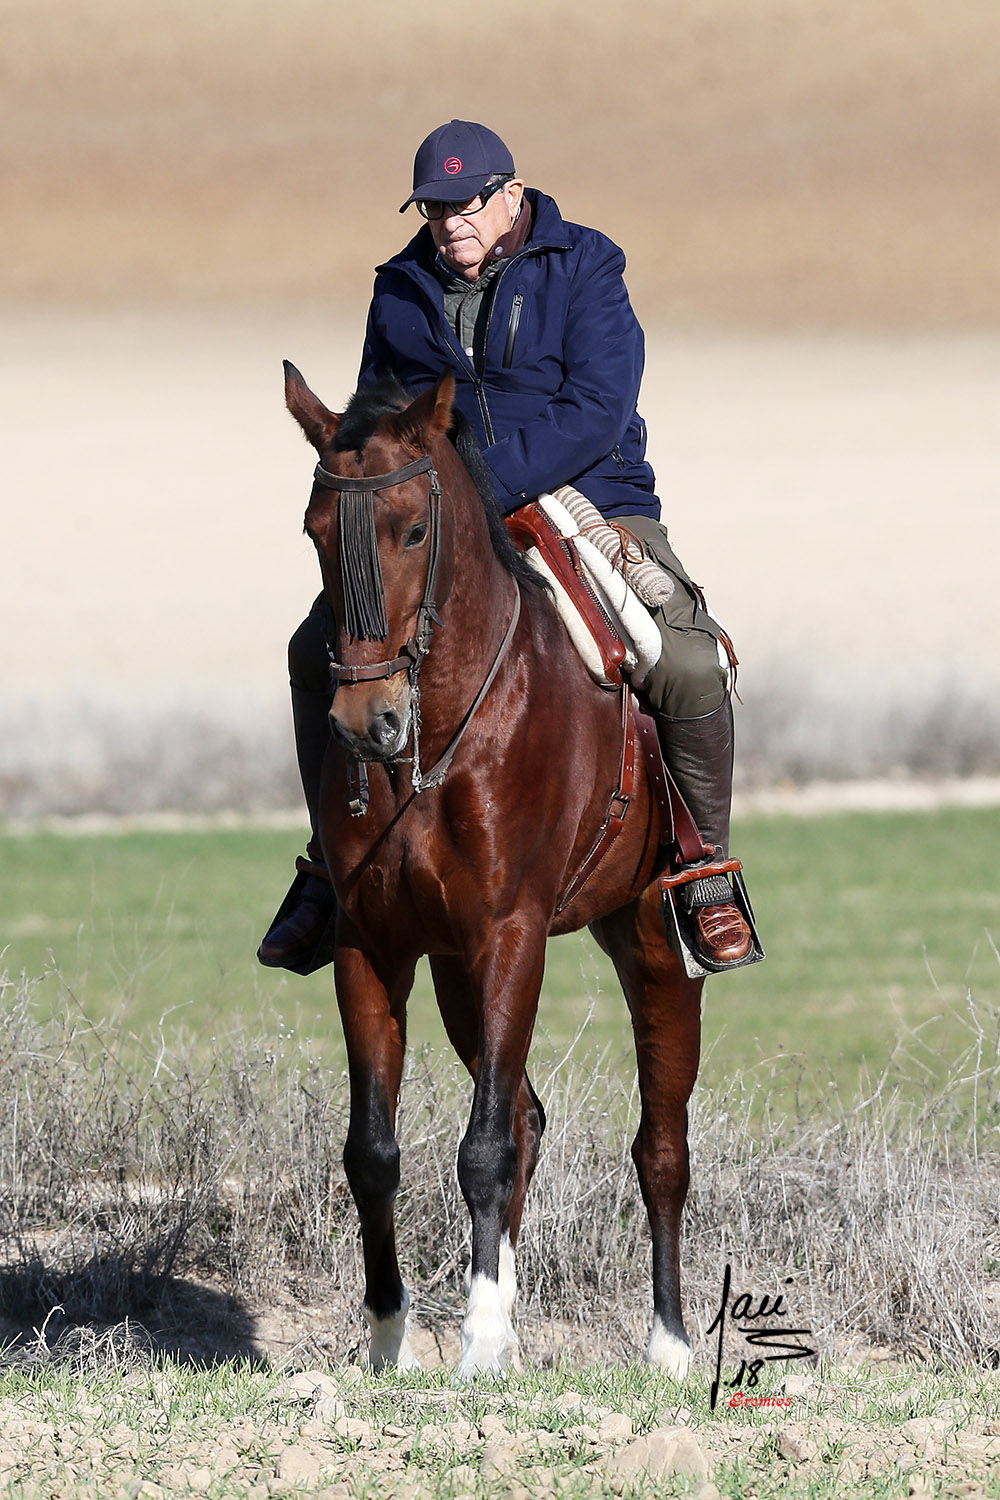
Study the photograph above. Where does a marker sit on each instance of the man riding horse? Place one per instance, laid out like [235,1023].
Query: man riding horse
[531,316]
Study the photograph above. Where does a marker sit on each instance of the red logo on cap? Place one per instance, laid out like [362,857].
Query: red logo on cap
[453,165]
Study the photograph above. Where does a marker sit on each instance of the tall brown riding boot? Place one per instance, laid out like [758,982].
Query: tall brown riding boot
[298,937]
[699,755]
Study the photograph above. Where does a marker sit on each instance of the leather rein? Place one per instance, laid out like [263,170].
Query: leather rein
[414,650]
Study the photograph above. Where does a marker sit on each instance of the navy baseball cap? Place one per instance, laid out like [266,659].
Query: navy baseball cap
[455,162]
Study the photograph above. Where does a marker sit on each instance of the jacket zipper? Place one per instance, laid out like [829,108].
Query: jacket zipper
[480,393]
[515,318]
[477,370]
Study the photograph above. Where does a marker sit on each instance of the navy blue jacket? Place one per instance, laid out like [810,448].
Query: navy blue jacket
[553,393]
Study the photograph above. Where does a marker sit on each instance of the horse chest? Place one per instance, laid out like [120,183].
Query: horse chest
[404,887]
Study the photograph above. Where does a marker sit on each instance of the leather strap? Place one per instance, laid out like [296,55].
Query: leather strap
[690,844]
[530,527]
[659,782]
[401,663]
[617,808]
[690,874]
[369,482]
[438,771]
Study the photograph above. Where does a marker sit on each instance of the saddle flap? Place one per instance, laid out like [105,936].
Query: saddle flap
[530,527]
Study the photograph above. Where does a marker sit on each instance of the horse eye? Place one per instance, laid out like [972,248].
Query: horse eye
[416,534]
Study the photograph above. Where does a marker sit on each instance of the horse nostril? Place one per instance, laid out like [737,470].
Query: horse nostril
[386,727]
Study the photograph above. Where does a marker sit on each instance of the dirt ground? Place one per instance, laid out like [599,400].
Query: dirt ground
[339,1434]
[786,163]
[835,495]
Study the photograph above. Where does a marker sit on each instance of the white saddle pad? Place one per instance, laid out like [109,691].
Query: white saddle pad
[633,621]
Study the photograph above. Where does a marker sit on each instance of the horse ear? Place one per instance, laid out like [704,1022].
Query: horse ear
[430,415]
[318,424]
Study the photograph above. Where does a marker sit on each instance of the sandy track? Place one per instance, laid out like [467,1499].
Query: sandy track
[782,162]
[836,496]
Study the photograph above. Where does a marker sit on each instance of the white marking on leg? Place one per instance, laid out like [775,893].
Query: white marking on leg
[508,1296]
[665,1351]
[508,1279]
[389,1342]
[488,1341]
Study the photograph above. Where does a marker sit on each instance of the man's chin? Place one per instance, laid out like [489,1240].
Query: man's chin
[461,265]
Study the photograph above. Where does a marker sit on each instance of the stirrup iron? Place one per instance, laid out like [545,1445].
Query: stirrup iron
[677,917]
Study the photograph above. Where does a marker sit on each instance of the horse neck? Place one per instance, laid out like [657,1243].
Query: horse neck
[481,596]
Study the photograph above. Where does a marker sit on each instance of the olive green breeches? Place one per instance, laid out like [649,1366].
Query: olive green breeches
[689,680]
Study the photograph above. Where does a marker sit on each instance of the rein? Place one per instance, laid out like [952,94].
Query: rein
[365,613]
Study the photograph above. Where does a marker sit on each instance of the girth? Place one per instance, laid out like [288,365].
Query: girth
[677,826]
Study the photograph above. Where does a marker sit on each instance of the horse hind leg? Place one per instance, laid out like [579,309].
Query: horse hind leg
[665,1007]
[488,1323]
[373,1010]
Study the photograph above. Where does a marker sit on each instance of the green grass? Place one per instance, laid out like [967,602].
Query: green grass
[872,922]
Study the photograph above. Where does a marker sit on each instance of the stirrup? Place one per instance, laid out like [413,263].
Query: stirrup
[678,921]
[322,953]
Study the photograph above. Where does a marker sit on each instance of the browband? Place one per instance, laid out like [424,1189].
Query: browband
[367,482]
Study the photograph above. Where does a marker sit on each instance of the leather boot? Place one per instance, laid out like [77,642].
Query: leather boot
[699,755]
[311,722]
[304,916]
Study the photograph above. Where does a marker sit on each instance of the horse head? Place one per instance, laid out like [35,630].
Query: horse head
[375,519]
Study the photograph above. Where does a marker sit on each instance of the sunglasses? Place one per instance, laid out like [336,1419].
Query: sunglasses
[434,209]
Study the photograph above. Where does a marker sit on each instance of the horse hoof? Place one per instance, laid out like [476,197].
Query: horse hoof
[489,1344]
[484,1360]
[666,1352]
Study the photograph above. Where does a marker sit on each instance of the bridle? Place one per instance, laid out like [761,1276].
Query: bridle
[415,649]
[413,652]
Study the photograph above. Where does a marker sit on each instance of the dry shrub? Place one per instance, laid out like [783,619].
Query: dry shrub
[146,1186]
[94,758]
[792,730]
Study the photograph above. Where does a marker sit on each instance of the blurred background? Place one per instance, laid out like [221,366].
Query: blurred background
[809,198]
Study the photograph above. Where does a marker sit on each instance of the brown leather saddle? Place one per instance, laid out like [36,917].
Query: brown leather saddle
[683,848]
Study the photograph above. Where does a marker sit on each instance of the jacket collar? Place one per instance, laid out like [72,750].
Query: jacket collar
[549,231]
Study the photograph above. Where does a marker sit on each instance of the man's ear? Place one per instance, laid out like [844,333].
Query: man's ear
[318,424]
[429,415]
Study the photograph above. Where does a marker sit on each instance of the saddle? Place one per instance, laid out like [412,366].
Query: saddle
[610,626]
[619,644]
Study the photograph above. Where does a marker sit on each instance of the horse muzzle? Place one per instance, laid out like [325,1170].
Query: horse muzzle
[374,732]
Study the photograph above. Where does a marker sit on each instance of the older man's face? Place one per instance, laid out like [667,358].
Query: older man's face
[465,241]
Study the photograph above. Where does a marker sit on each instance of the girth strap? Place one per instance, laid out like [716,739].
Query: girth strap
[617,808]
[677,826]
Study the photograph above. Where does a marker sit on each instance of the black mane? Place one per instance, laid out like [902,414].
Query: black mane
[365,411]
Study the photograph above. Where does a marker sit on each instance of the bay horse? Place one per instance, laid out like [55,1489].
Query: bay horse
[466,862]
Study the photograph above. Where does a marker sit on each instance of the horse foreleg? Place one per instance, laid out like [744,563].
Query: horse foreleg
[459,1007]
[665,1007]
[505,980]
[373,1009]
